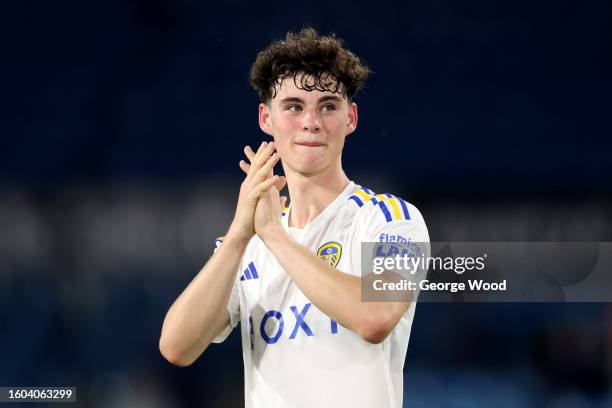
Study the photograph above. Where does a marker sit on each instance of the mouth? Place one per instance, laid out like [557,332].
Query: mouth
[310,144]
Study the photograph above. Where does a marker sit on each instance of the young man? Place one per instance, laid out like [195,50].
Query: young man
[292,276]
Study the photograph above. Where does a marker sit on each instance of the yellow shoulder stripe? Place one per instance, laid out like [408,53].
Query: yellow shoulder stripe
[397,214]
[363,195]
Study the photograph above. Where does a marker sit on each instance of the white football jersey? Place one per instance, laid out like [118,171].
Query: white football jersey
[295,355]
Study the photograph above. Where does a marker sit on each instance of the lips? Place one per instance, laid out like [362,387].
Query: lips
[310,144]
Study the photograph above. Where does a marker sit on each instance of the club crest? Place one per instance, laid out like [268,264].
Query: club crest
[330,253]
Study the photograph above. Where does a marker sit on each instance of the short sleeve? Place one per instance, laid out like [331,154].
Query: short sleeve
[233,304]
[389,219]
[410,229]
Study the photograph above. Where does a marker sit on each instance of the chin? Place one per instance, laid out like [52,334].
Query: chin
[309,164]
[310,168]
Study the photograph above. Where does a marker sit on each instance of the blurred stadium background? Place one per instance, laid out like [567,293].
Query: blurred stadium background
[123,123]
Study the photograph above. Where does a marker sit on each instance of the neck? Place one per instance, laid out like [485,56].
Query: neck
[312,193]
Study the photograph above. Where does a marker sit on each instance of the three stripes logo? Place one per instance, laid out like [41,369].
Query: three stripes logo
[249,273]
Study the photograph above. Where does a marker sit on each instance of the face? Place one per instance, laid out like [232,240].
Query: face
[308,127]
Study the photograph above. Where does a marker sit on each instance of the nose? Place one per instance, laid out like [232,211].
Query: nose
[312,121]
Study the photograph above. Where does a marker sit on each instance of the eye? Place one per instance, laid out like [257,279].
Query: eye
[328,107]
[294,108]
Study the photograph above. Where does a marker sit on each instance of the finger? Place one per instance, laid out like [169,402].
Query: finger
[261,149]
[271,147]
[266,169]
[257,161]
[283,202]
[250,154]
[280,184]
[264,186]
[263,153]
[244,166]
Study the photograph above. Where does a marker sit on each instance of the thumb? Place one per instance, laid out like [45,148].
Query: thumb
[283,201]
[280,183]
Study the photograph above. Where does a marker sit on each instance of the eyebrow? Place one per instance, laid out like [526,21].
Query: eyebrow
[321,99]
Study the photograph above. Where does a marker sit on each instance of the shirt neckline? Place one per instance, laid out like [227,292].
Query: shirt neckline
[323,214]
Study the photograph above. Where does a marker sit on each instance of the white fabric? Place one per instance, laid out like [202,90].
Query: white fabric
[327,368]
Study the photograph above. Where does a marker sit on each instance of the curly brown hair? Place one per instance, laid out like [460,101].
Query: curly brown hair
[321,62]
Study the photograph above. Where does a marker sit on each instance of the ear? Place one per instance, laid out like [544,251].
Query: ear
[264,119]
[353,118]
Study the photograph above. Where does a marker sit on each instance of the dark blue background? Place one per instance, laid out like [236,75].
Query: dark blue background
[158,89]
[124,120]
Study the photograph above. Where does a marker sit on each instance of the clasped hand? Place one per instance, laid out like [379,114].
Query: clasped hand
[259,203]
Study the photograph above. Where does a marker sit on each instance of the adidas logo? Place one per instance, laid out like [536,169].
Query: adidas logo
[249,273]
